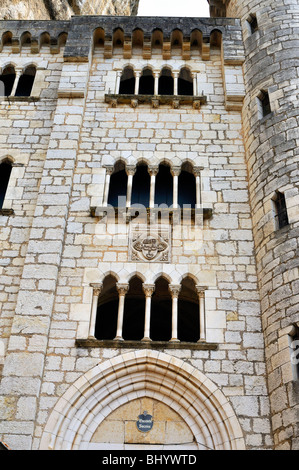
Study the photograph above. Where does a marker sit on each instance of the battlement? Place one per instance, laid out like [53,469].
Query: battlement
[82,33]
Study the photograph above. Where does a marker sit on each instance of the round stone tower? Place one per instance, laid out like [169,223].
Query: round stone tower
[271,135]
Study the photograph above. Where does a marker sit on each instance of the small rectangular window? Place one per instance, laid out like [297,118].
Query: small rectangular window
[252,22]
[264,104]
[281,212]
[294,352]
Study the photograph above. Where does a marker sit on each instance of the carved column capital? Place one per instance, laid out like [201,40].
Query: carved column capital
[148,289]
[200,291]
[131,169]
[153,170]
[197,170]
[175,171]
[174,290]
[122,289]
[97,288]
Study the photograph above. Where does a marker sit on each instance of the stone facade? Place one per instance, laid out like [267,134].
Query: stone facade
[63,387]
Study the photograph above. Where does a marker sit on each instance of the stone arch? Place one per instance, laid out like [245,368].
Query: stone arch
[145,373]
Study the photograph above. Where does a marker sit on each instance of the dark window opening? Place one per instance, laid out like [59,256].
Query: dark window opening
[118,187]
[253,24]
[188,312]
[141,186]
[26,81]
[185,83]
[161,312]
[265,104]
[8,78]
[127,82]
[164,186]
[166,83]
[134,311]
[281,210]
[5,171]
[147,83]
[107,312]
[186,189]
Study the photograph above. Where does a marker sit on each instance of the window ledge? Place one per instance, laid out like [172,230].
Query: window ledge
[6,212]
[156,100]
[21,98]
[129,214]
[115,344]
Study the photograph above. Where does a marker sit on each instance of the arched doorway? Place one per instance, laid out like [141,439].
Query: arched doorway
[198,402]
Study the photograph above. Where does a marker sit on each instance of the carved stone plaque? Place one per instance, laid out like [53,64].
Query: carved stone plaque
[150,244]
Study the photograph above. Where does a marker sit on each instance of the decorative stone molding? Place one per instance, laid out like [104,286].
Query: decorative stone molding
[153,245]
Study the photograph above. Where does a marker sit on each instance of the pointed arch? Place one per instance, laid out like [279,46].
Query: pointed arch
[166,82]
[146,82]
[133,326]
[8,77]
[26,81]
[127,81]
[86,404]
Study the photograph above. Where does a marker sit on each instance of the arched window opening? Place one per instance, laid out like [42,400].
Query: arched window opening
[176,40]
[188,312]
[164,186]
[196,41]
[127,82]
[134,310]
[118,186]
[99,38]
[26,81]
[166,82]
[185,82]
[118,39]
[137,40]
[187,187]
[147,82]
[107,312]
[45,40]
[280,210]
[216,38]
[7,38]
[141,186]
[157,40]
[62,38]
[5,171]
[161,312]
[8,78]
[26,39]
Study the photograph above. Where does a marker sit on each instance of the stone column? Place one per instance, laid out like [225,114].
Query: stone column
[202,313]
[137,80]
[109,171]
[130,172]
[156,86]
[195,93]
[197,174]
[18,71]
[153,171]
[148,290]
[175,173]
[94,307]
[117,82]
[122,289]
[174,290]
[175,83]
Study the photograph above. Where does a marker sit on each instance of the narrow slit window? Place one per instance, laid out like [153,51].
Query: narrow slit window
[264,104]
[5,171]
[280,209]
[252,23]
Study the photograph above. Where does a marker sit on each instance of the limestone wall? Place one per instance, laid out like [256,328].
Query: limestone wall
[58,251]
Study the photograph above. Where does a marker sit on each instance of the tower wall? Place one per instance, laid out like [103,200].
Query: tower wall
[271,61]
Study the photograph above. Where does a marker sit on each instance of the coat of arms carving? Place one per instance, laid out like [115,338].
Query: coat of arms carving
[150,245]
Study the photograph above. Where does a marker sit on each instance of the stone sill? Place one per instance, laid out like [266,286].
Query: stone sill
[6,212]
[129,214]
[116,344]
[156,100]
[30,99]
